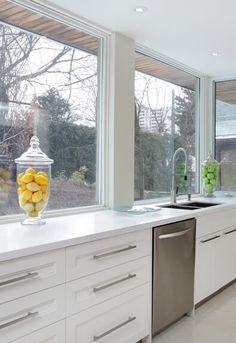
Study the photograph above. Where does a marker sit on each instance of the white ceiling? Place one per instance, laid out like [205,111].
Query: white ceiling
[185,30]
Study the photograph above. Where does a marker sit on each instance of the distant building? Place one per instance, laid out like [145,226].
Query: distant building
[149,119]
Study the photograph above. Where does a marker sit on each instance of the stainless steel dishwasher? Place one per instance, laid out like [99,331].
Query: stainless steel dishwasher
[173,272]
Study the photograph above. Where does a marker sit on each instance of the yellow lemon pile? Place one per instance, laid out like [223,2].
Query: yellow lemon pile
[33,191]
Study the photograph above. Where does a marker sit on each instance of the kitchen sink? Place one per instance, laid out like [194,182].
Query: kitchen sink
[180,207]
[193,205]
[200,204]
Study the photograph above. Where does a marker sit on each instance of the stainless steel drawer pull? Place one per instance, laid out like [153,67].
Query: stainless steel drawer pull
[175,234]
[19,278]
[210,239]
[100,288]
[228,232]
[113,252]
[29,315]
[129,320]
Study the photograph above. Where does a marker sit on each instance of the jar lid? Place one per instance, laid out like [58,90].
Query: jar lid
[34,154]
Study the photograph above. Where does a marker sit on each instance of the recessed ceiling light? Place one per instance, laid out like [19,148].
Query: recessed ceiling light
[140,9]
[215,53]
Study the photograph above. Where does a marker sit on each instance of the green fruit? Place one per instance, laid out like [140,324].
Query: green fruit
[209,188]
[213,182]
[210,169]
[210,176]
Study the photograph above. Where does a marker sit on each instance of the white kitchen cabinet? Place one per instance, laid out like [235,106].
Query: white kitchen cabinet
[99,287]
[204,266]
[27,314]
[228,254]
[26,275]
[215,264]
[123,319]
[89,258]
[91,288]
[54,333]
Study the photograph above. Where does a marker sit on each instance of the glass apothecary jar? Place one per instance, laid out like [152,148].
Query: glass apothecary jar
[210,175]
[227,172]
[33,179]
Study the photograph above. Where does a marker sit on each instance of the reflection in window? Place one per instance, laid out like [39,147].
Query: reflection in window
[166,117]
[225,136]
[49,89]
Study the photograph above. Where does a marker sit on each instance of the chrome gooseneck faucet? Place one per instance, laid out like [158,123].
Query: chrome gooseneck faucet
[173,183]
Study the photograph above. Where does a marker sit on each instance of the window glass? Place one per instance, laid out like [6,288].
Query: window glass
[225,136]
[166,118]
[49,89]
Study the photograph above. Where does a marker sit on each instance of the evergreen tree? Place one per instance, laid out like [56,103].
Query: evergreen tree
[185,119]
[56,108]
[69,144]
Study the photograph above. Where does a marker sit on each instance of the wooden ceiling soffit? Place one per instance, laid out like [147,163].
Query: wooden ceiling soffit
[164,71]
[226,91]
[37,23]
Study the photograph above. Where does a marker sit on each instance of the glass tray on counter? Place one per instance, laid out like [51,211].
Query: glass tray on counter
[137,209]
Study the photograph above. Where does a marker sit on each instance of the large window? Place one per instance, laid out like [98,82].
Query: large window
[166,118]
[48,88]
[225,133]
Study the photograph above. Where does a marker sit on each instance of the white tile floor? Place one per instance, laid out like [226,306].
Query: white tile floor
[214,322]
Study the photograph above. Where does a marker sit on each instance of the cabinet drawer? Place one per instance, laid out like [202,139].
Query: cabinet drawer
[94,289]
[54,333]
[23,276]
[124,319]
[90,258]
[216,221]
[25,315]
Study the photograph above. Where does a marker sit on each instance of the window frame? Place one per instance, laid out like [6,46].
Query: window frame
[212,138]
[69,19]
[201,105]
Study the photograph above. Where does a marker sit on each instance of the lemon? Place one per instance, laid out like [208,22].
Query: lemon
[37,196]
[33,214]
[22,202]
[19,176]
[39,206]
[44,188]
[26,195]
[30,171]
[45,196]
[27,178]
[29,207]
[33,187]
[41,180]
[43,173]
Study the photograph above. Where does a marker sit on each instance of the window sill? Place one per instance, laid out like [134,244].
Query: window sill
[54,213]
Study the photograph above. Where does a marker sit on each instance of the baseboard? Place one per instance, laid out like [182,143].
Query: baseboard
[214,294]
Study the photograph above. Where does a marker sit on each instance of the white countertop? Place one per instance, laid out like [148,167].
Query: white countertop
[17,240]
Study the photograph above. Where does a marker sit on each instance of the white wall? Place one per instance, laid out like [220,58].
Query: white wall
[121,121]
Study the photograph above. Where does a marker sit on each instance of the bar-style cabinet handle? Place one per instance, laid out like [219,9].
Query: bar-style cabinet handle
[210,239]
[29,315]
[98,337]
[228,232]
[113,252]
[100,288]
[25,277]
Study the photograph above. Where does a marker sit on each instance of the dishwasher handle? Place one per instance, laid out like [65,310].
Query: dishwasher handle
[175,234]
